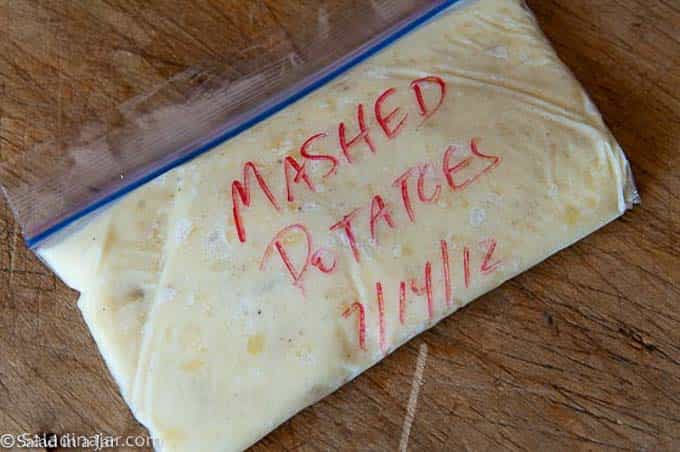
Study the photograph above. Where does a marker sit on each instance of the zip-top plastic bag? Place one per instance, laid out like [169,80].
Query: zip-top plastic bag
[247,240]
[64,180]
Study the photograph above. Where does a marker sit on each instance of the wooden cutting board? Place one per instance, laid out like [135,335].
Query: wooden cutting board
[580,353]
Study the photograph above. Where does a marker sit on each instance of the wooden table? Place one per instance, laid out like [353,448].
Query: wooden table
[580,353]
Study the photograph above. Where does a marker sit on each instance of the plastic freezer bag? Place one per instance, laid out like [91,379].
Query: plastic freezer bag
[245,284]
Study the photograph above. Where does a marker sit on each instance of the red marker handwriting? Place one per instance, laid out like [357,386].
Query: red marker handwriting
[391,121]
[359,309]
[304,151]
[420,291]
[488,266]
[327,265]
[428,288]
[425,289]
[466,266]
[446,270]
[289,164]
[363,134]
[322,259]
[379,211]
[240,190]
[449,171]
[416,85]
[422,173]
[384,120]
[381,317]
[276,243]
[402,302]
[402,183]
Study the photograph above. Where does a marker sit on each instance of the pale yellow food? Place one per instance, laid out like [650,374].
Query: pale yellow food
[210,340]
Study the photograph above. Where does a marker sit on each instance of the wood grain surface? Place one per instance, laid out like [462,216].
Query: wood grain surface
[580,353]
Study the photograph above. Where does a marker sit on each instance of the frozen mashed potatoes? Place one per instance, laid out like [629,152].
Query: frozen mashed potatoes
[244,285]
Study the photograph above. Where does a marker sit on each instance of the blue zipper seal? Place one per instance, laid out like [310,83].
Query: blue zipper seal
[34,241]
